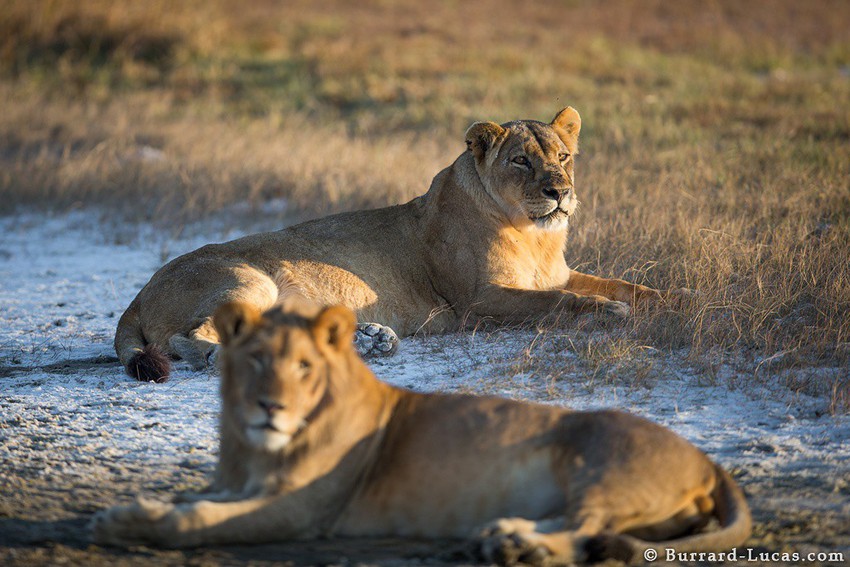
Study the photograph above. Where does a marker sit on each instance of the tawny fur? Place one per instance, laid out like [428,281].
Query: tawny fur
[486,242]
[314,445]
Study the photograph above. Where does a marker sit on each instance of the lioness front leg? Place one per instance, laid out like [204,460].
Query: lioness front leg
[618,290]
[517,305]
[164,524]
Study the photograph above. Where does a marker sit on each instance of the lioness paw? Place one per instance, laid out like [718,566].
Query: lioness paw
[138,523]
[683,294]
[609,546]
[372,339]
[212,356]
[510,541]
[617,308]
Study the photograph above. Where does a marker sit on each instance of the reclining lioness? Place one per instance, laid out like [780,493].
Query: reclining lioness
[314,445]
[485,242]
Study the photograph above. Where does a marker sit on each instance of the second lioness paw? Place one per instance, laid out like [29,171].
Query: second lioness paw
[510,541]
[130,525]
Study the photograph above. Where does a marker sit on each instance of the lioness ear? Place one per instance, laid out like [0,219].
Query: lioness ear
[569,122]
[234,319]
[334,327]
[482,136]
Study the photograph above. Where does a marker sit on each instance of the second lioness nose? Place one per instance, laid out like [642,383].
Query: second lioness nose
[270,406]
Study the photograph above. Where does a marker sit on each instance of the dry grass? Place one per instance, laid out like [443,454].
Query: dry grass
[716,140]
[137,157]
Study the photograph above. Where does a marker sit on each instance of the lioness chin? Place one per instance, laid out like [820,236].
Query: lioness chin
[314,445]
[486,242]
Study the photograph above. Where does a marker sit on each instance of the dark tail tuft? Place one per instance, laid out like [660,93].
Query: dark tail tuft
[149,365]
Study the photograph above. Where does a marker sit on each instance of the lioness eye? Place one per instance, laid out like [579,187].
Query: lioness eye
[258,361]
[304,369]
[563,157]
[521,160]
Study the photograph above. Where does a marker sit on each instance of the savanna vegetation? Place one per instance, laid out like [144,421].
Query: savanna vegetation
[715,142]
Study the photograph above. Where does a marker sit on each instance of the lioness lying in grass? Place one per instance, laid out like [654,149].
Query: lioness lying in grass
[485,242]
[314,445]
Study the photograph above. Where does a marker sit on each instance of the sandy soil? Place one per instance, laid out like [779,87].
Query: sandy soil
[43,521]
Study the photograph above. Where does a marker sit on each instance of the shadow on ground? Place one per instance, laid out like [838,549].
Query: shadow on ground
[33,542]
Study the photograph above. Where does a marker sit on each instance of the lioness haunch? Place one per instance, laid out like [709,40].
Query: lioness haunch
[314,445]
[486,242]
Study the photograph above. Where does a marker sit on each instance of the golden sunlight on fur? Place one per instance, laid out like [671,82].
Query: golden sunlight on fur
[486,242]
[314,445]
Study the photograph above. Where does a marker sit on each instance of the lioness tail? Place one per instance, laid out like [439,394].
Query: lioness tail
[730,508]
[142,361]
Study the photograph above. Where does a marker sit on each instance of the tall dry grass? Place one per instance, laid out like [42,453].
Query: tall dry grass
[715,146]
[185,167]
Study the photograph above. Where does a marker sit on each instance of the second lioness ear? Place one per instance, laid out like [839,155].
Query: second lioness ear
[482,136]
[233,320]
[568,124]
[334,328]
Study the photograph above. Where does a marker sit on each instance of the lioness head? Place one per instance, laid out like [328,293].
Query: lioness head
[276,367]
[527,167]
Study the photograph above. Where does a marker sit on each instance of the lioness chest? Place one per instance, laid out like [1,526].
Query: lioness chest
[528,261]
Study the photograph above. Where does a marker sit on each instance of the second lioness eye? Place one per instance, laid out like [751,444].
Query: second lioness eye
[563,157]
[304,365]
[257,360]
[521,160]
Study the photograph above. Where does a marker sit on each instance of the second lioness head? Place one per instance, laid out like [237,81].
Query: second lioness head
[276,367]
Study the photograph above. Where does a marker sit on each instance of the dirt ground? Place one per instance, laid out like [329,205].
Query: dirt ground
[43,521]
[54,476]
[77,436]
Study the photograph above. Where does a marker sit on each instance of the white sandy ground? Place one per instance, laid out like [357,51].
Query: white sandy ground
[65,280]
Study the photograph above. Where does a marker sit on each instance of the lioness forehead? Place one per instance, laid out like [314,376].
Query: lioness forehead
[537,135]
[280,332]
[278,318]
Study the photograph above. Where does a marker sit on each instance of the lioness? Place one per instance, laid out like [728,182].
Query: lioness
[486,241]
[313,445]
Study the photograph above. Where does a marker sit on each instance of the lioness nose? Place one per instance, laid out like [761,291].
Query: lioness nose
[269,406]
[553,193]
